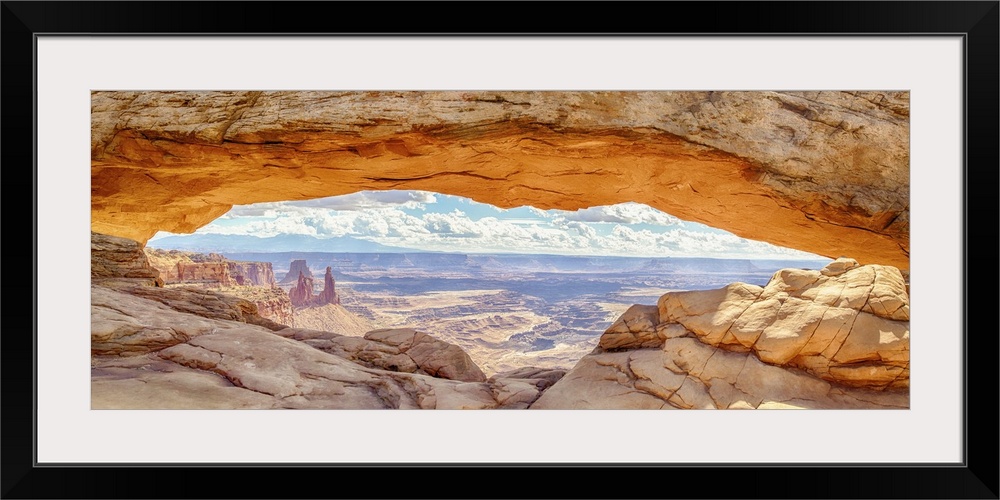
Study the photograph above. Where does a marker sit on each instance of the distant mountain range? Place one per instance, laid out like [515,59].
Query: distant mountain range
[233,243]
[347,262]
[346,254]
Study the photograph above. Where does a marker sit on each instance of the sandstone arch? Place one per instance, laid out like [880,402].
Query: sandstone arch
[825,172]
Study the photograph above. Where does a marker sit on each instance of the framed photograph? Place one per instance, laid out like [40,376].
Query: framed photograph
[916,83]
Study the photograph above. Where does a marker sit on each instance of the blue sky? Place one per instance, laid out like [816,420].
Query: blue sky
[422,220]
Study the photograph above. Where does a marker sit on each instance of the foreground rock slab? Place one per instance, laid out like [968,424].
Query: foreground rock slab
[834,338]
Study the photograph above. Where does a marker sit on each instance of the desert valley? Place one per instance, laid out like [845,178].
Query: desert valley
[204,322]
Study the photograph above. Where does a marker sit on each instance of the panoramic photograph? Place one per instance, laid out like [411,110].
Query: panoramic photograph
[559,250]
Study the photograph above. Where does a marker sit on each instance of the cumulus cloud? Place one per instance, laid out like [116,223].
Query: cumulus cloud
[623,213]
[584,232]
[362,200]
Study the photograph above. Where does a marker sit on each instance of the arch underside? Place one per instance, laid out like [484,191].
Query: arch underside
[827,173]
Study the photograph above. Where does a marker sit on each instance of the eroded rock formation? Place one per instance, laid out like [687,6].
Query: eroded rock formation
[253,281]
[297,267]
[195,348]
[400,350]
[271,302]
[120,260]
[329,293]
[828,171]
[224,273]
[836,338]
[301,294]
[251,273]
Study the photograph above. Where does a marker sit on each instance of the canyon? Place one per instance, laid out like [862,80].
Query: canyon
[804,340]
[825,172]
[250,280]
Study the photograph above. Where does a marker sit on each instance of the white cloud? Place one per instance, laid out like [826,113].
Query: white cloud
[362,200]
[623,213]
[583,232]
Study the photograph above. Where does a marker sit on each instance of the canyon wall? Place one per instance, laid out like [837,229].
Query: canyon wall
[251,273]
[194,348]
[253,281]
[213,269]
[836,338]
[297,267]
[825,172]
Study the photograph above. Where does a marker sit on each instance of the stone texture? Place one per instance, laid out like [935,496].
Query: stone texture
[251,273]
[249,367]
[206,303]
[331,318]
[828,171]
[636,328]
[223,272]
[114,259]
[845,323]
[177,360]
[123,324]
[436,357]
[518,389]
[271,303]
[834,338]
[688,374]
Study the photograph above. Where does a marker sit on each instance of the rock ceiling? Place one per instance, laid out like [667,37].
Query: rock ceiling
[824,172]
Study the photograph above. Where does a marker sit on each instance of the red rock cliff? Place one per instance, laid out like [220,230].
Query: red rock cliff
[297,267]
[251,273]
[301,294]
[329,293]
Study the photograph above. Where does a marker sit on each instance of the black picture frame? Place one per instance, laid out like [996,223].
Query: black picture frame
[978,23]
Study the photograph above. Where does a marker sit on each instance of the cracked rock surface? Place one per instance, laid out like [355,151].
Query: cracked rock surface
[835,338]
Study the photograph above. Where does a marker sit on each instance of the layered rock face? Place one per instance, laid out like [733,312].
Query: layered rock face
[216,273]
[301,294]
[297,267]
[251,273]
[272,303]
[402,350]
[225,273]
[829,171]
[253,281]
[836,338]
[214,269]
[120,260]
[129,303]
[846,323]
